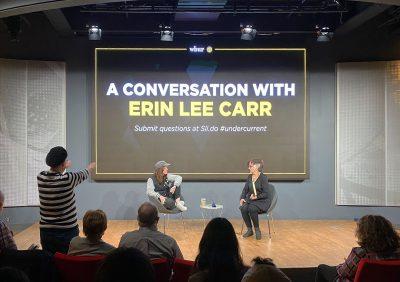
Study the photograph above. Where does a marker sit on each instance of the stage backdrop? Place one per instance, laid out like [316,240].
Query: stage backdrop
[205,110]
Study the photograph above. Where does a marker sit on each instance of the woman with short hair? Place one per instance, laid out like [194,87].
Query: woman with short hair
[254,198]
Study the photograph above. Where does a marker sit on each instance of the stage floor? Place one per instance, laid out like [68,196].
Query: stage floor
[296,243]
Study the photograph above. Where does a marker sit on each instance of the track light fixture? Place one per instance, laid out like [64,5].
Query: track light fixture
[166,33]
[94,32]
[323,34]
[248,32]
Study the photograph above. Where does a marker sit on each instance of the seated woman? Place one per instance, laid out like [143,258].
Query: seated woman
[166,187]
[377,239]
[254,198]
[219,257]
[94,226]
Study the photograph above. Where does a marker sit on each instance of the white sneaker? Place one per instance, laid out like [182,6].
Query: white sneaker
[180,206]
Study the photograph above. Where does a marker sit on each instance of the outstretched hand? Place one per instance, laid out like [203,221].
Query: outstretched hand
[91,166]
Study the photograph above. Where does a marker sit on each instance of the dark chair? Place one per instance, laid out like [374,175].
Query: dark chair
[274,199]
[165,212]
[369,270]
[162,269]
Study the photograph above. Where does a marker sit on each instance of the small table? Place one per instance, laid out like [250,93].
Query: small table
[208,212]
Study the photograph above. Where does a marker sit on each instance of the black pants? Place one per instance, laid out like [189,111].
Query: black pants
[169,203]
[250,213]
[57,240]
[326,273]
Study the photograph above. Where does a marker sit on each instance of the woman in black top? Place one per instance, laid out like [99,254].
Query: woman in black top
[254,198]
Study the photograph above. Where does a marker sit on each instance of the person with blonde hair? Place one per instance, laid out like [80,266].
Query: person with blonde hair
[94,226]
[254,198]
[166,187]
[377,239]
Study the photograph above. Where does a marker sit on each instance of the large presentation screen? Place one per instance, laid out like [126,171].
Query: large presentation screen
[205,110]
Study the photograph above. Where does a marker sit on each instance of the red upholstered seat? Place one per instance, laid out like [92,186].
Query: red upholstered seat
[162,269]
[378,270]
[181,270]
[77,268]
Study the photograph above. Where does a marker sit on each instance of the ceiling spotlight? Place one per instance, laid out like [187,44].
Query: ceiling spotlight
[94,32]
[248,32]
[324,34]
[166,33]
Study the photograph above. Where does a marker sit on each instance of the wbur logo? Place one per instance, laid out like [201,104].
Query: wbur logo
[196,49]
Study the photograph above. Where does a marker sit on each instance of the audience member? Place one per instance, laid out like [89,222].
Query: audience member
[219,257]
[6,235]
[377,239]
[94,226]
[11,274]
[126,264]
[148,239]
[264,270]
[58,222]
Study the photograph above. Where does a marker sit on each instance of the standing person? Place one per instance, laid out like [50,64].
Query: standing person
[6,236]
[377,239]
[219,257]
[166,187]
[58,222]
[254,198]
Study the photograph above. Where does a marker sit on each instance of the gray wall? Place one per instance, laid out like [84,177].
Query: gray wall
[311,199]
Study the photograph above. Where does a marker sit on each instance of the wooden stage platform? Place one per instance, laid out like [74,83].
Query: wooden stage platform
[296,243]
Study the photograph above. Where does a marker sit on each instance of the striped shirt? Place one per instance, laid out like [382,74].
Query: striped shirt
[57,198]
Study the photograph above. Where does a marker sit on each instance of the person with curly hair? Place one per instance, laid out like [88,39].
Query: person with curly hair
[377,239]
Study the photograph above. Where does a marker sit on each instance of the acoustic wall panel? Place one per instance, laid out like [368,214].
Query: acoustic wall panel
[32,120]
[367,134]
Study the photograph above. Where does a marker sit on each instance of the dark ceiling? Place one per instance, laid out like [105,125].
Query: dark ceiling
[217,18]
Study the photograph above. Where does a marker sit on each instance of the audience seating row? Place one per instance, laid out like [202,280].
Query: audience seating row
[41,266]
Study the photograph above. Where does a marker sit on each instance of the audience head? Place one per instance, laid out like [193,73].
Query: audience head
[264,270]
[11,274]
[94,224]
[147,215]
[255,164]
[56,159]
[126,264]
[219,252]
[376,234]
[1,200]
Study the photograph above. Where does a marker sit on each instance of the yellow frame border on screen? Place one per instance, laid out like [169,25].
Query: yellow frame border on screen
[215,49]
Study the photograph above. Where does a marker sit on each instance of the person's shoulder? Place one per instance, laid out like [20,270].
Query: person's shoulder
[166,237]
[359,251]
[77,240]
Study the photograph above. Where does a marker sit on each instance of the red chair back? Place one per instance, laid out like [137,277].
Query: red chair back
[77,268]
[378,270]
[181,270]
[162,269]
